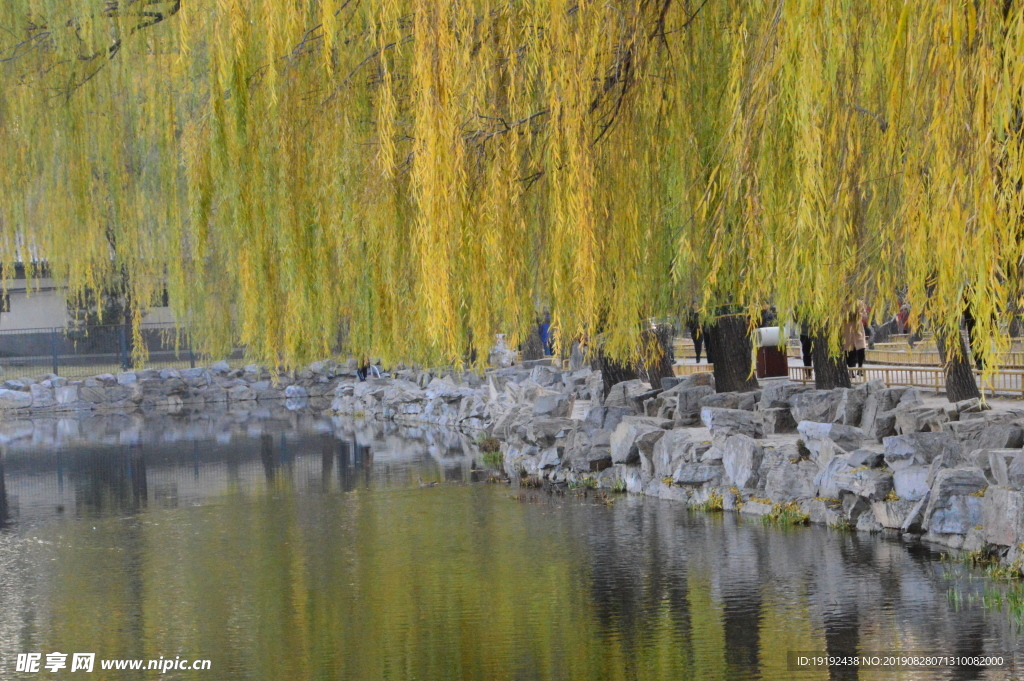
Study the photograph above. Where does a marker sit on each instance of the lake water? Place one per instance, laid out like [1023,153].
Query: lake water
[284,546]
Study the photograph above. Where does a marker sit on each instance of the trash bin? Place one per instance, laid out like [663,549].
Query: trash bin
[771,360]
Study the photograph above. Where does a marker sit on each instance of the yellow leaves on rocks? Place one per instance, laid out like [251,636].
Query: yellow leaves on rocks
[409,177]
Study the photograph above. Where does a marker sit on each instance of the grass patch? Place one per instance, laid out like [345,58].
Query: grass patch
[492,460]
[619,486]
[786,514]
[583,483]
[488,444]
[532,481]
[714,503]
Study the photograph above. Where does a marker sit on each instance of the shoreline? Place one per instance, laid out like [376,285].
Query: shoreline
[868,459]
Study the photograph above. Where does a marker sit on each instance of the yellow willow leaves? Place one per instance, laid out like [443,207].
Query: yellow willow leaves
[406,178]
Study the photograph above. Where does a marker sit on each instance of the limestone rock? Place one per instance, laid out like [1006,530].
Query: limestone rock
[14,399]
[831,476]
[778,420]
[920,419]
[1003,516]
[792,481]
[777,394]
[911,483]
[42,396]
[921,448]
[892,514]
[733,400]
[295,391]
[622,393]
[952,508]
[741,458]
[818,406]
[866,457]
[698,473]
[725,422]
[688,399]
[868,483]
[66,394]
[630,436]
[850,406]
[1015,472]
[846,438]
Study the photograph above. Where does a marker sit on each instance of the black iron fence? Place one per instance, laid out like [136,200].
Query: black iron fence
[95,350]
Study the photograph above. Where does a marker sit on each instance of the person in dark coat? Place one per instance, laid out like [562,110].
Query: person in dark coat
[696,333]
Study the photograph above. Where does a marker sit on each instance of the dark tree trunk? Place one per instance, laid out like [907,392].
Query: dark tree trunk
[613,372]
[532,347]
[829,372]
[730,339]
[663,335]
[960,383]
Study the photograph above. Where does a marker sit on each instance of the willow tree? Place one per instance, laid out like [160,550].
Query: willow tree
[412,176]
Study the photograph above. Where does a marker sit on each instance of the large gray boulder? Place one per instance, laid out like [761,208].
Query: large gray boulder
[791,481]
[846,438]
[832,476]
[878,417]
[850,406]
[66,395]
[777,394]
[953,507]
[725,422]
[871,484]
[630,437]
[741,457]
[553,405]
[688,404]
[14,399]
[621,395]
[778,420]
[1015,472]
[1003,516]
[676,447]
[546,432]
[992,431]
[815,405]
[42,396]
[911,483]
[733,400]
[919,419]
[921,448]
[893,514]
[692,474]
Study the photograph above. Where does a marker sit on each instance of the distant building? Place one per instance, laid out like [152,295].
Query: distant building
[44,305]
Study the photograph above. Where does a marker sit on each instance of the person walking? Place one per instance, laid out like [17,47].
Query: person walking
[806,349]
[693,326]
[854,339]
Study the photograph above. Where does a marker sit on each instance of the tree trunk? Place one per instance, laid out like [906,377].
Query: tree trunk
[664,335]
[613,372]
[960,383]
[532,347]
[829,372]
[730,340]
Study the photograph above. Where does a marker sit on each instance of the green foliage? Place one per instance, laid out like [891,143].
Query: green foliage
[492,459]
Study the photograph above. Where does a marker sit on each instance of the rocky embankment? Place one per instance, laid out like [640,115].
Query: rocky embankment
[871,458]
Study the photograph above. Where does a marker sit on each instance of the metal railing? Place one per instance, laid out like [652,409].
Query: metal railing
[1003,382]
[95,350]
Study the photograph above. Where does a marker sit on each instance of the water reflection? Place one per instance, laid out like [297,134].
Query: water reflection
[298,547]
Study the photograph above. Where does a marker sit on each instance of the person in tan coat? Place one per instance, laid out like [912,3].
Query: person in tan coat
[854,338]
